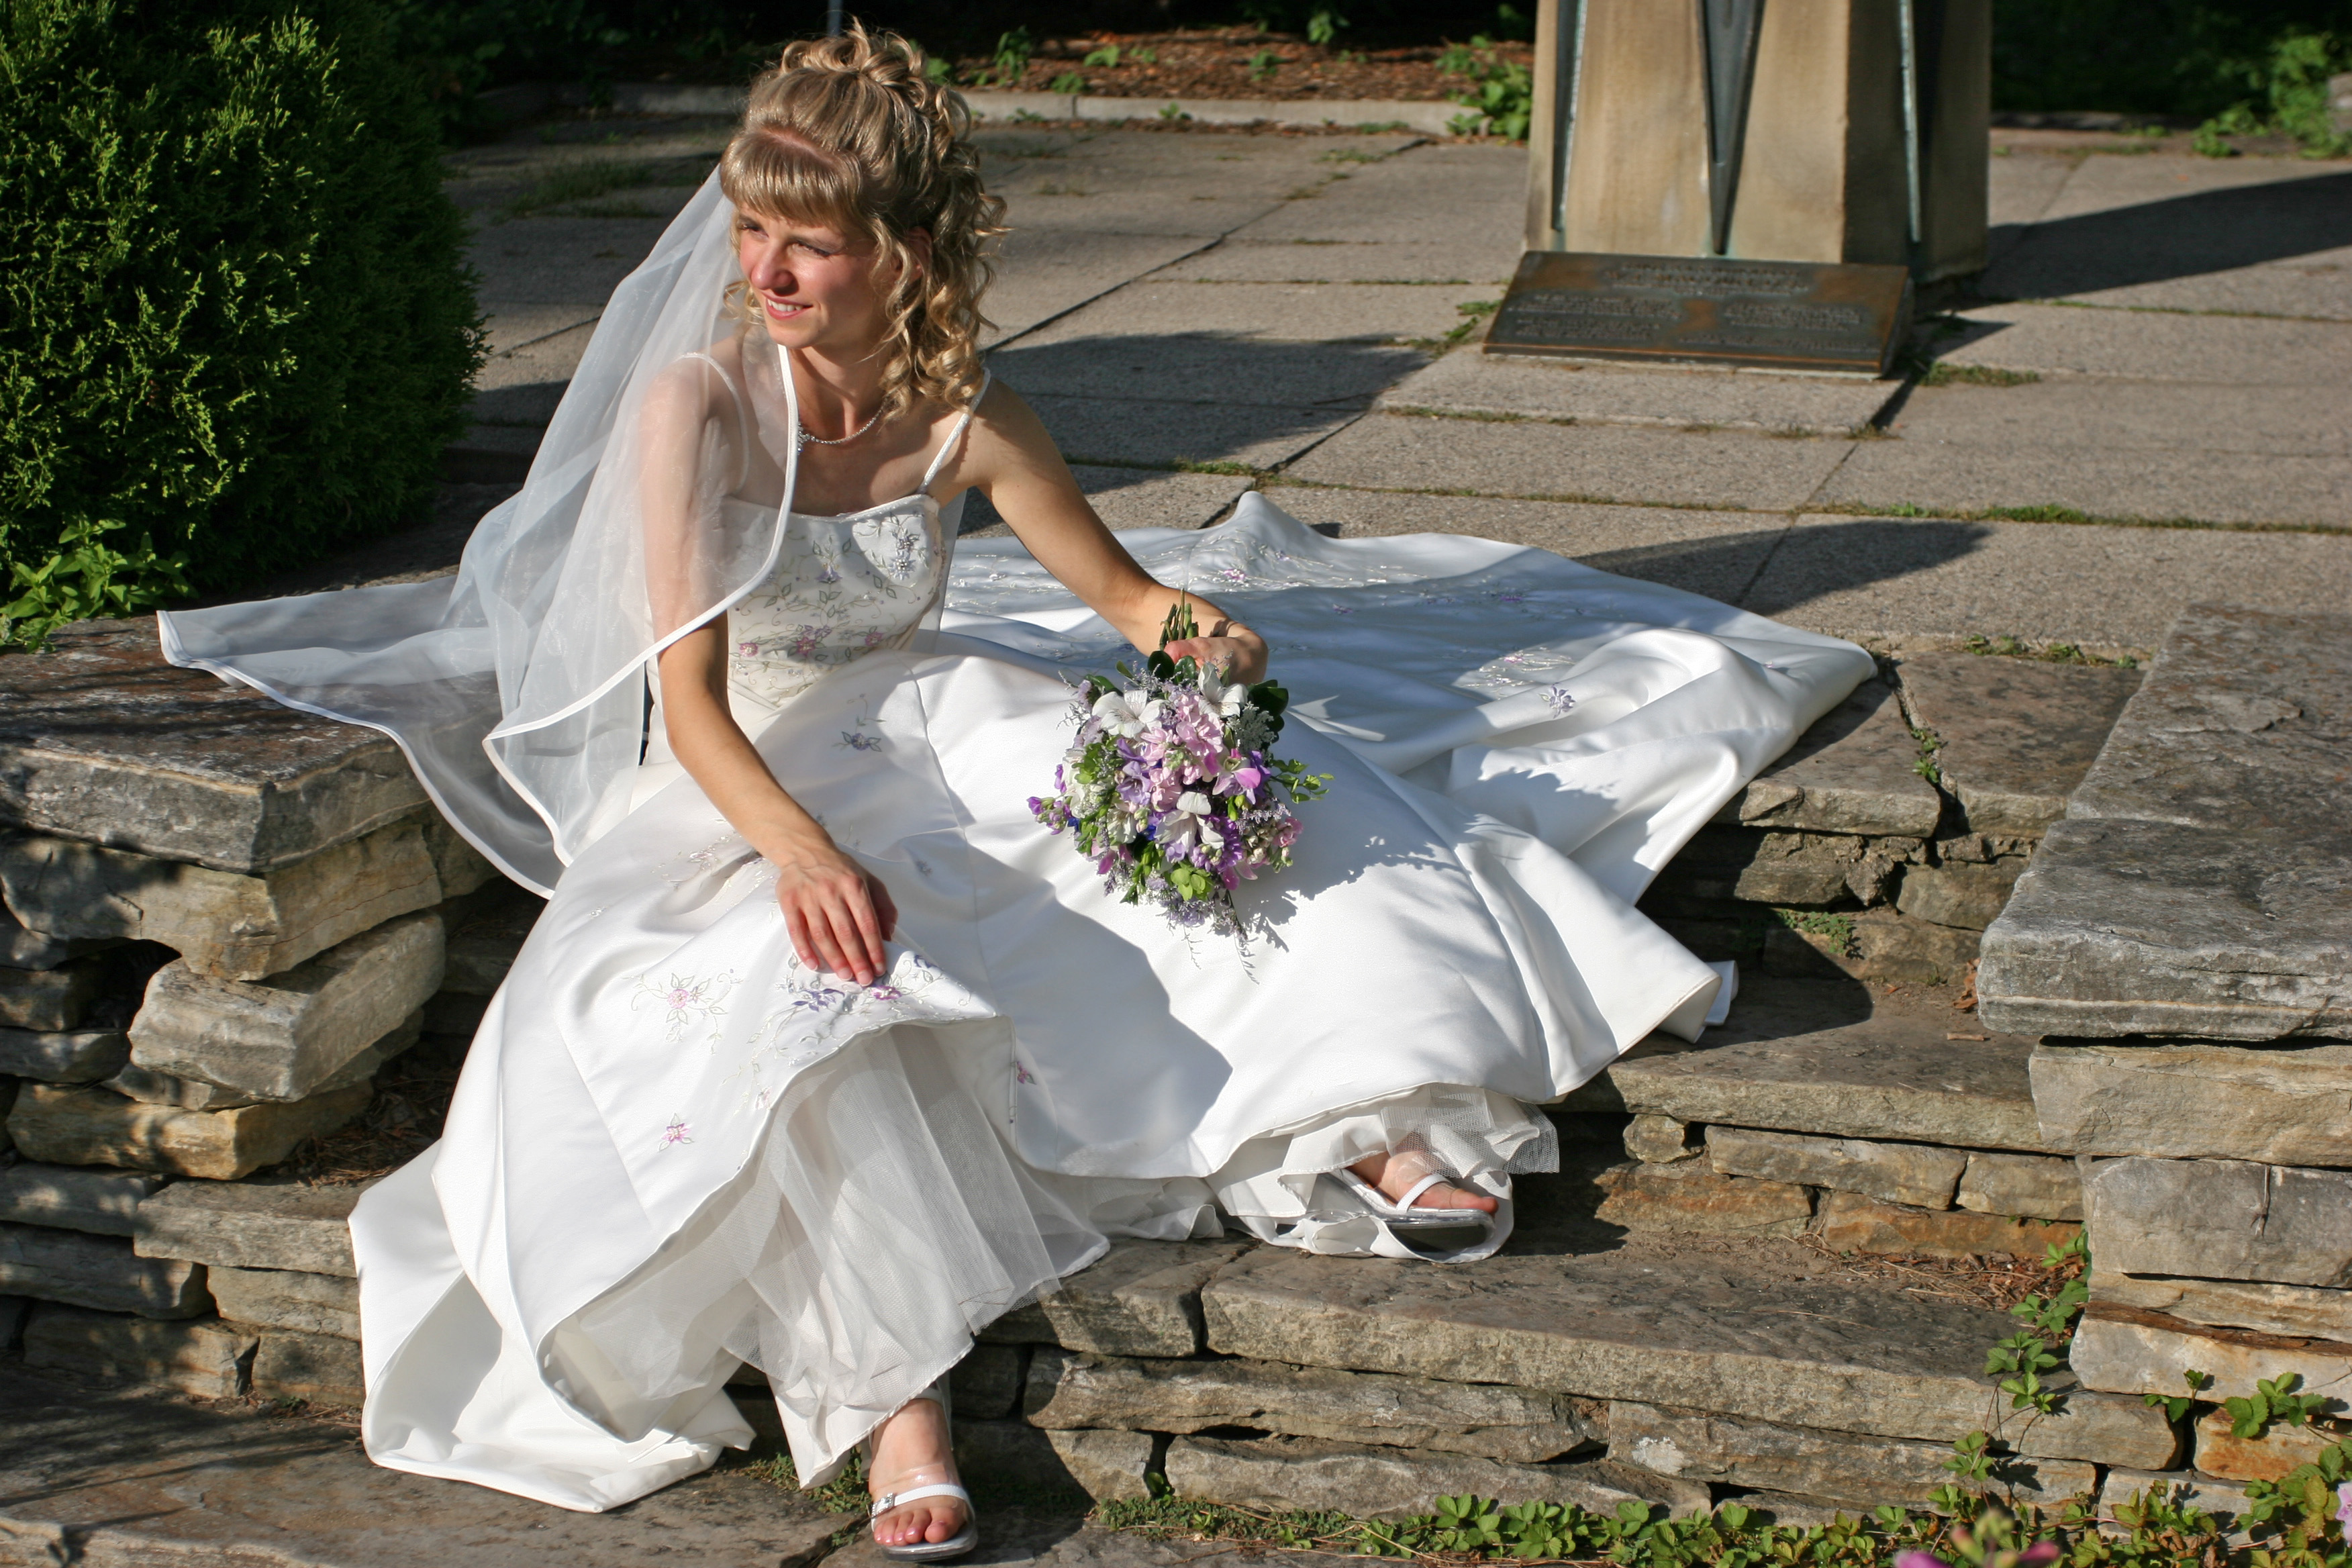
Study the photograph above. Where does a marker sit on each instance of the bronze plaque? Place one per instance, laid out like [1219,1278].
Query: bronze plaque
[1705,310]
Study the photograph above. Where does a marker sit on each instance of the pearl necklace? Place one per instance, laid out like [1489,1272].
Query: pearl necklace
[802,437]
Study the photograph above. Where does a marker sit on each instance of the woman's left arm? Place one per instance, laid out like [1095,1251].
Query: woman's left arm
[1009,458]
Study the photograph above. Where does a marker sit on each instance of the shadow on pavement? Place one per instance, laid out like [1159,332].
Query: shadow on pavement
[2182,237]
[1820,558]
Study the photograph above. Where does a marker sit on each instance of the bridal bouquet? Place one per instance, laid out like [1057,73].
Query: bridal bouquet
[1169,790]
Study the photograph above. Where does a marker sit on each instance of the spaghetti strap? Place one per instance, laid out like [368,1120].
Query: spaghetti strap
[947,447]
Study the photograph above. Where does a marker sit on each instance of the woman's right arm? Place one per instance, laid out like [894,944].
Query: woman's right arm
[838,914]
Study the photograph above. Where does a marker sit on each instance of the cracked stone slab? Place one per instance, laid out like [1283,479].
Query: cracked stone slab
[98,1127]
[1855,771]
[49,1001]
[1104,1465]
[1849,1222]
[1689,1330]
[222,923]
[1515,1425]
[1802,1057]
[285,1038]
[1140,1299]
[2133,1350]
[1918,1174]
[1320,1475]
[2201,882]
[1840,1467]
[2225,1219]
[323,1369]
[100,739]
[308,1303]
[278,1224]
[138,1477]
[202,1356]
[2298,1311]
[2034,1185]
[102,1203]
[2018,733]
[63,1056]
[98,1271]
[2283,1105]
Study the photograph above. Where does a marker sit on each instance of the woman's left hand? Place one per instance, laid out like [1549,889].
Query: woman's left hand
[1237,653]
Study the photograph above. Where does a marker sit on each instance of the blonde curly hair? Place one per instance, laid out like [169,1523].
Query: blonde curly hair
[852,132]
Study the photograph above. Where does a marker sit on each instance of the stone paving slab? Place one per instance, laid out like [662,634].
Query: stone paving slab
[1824,1058]
[1022,1538]
[1899,581]
[2017,735]
[1044,272]
[2131,1351]
[1691,1328]
[1958,475]
[1297,312]
[99,732]
[1434,192]
[514,325]
[522,386]
[1595,463]
[1486,258]
[2268,234]
[1855,771]
[2199,883]
[1717,554]
[1118,368]
[2131,417]
[2154,345]
[1471,381]
[562,261]
[1120,432]
[115,1480]
[253,1224]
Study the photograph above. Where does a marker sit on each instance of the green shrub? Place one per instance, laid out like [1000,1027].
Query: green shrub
[239,327]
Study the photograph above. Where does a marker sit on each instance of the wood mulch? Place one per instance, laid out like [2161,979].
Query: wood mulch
[1995,1282]
[412,1101]
[1232,62]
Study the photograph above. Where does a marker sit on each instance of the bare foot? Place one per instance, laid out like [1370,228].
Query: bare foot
[912,1449]
[1394,1177]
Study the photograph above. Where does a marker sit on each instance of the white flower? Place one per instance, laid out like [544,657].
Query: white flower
[1225,701]
[1193,801]
[1119,713]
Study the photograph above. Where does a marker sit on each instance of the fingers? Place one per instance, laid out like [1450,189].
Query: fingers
[839,922]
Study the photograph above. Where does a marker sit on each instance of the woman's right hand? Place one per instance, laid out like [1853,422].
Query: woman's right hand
[838,913]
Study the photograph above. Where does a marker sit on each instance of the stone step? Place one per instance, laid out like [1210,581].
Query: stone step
[1835,1059]
[2201,884]
[100,740]
[280,1225]
[1753,1331]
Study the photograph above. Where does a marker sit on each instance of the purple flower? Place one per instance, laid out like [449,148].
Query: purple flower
[2344,1507]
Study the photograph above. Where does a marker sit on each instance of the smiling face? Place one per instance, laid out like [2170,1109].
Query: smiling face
[814,286]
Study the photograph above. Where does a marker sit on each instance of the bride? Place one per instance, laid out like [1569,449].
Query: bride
[824,1053]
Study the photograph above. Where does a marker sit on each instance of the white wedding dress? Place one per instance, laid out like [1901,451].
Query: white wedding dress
[676,1149]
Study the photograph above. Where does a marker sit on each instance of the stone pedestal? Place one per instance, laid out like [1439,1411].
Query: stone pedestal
[1824,130]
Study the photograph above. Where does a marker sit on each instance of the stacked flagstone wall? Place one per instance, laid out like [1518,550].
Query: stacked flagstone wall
[2183,946]
[222,920]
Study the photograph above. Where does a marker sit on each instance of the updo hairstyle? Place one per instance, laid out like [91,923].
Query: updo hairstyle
[851,133]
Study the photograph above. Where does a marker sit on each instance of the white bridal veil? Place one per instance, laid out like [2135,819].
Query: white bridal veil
[517,686]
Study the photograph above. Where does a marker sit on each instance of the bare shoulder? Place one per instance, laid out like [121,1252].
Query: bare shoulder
[1006,437]
[695,388]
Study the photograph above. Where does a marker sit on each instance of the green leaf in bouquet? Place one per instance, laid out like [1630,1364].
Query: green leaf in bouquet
[1179,623]
[1161,665]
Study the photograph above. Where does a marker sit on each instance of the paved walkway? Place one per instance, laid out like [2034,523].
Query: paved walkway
[1198,312]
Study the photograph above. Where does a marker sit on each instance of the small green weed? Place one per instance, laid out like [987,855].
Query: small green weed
[2176,1405]
[1930,745]
[586,182]
[1323,25]
[1837,928]
[2273,1400]
[1502,95]
[1069,82]
[2046,653]
[1106,58]
[1264,64]
[1010,59]
[1941,373]
[1174,112]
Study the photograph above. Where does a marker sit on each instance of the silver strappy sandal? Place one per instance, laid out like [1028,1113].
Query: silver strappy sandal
[956,1546]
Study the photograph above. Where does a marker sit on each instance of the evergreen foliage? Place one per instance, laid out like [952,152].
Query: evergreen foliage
[238,325]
